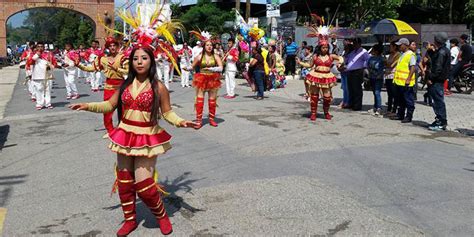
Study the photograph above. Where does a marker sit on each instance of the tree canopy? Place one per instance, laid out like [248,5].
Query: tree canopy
[205,15]
[58,26]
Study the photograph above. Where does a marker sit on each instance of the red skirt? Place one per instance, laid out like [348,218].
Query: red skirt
[131,140]
[207,81]
[321,79]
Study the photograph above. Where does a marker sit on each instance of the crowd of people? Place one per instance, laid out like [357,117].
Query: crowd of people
[266,67]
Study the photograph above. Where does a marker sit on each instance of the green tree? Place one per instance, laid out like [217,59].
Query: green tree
[363,11]
[176,9]
[469,16]
[59,26]
[205,15]
[85,33]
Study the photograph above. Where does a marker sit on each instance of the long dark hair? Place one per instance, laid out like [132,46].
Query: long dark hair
[152,76]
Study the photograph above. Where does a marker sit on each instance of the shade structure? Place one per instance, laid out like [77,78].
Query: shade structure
[391,27]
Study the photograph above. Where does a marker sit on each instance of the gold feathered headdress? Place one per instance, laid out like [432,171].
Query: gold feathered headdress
[150,24]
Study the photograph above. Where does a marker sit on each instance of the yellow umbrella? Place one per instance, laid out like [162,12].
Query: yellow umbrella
[391,27]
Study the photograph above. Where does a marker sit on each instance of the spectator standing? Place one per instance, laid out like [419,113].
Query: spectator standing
[425,66]
[404,80]
[390,66]
[348,47]
[464,58]
[376,72]
[306,60]
[258,71]
[454,60]
[439,72]
[291,49]
[356,63]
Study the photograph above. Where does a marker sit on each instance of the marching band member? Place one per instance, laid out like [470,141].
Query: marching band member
[231,58]
[80,73]
[94,53]
[115,68]
[43,63]
[185,64]
[69,57]
[28,70]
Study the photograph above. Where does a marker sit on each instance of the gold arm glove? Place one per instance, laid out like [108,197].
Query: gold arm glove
[172,118]
[305,64]
[341,60]
[100,107]
[123,69]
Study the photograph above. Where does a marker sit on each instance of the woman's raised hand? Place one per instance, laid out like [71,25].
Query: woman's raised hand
[81,106]
[187,124]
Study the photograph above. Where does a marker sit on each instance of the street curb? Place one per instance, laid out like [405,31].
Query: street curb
[8,80]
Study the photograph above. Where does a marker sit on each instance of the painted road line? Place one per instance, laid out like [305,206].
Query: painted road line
[3,213]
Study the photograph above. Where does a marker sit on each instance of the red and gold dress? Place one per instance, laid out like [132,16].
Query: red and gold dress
[321,76]
[137,134]
[205,79]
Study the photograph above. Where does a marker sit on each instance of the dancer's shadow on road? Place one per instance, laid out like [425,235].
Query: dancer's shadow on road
[6,186]
[173,202]
[60,104]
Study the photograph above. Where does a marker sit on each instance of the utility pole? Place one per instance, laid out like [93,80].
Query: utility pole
[237,5]
[247,10]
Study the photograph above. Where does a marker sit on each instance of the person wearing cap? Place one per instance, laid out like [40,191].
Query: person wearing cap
[464,57]
[115,68]
[404,80]
[436,78]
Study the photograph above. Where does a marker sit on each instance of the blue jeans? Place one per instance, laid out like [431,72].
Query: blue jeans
[345,90]
[436,91]
[376,85]
[406,101]
[391,96]
[259,76]
[454,72]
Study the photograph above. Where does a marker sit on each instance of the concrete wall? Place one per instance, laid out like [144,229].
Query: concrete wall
[453,31]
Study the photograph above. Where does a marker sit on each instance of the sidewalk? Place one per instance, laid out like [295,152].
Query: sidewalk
[8,80]
[460,107]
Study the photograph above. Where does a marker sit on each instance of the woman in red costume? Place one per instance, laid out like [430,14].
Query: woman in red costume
[321,78]
[207,79]
[138,139]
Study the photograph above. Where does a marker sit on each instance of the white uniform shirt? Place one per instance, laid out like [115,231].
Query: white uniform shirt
[71,68]
[231,65]
[39,68]
[196,51]
[454,55]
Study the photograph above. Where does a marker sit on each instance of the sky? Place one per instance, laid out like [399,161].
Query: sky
[17,20]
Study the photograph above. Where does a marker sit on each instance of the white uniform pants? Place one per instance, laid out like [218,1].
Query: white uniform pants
[31,89]
[81,74]
[95,80]
[159,71]
[184,75]
[70,81]
[171,72]
[42,90]
[165,68]
[88,75]
[230,82]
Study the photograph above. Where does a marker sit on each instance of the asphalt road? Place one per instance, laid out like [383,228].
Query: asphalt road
[266,170]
